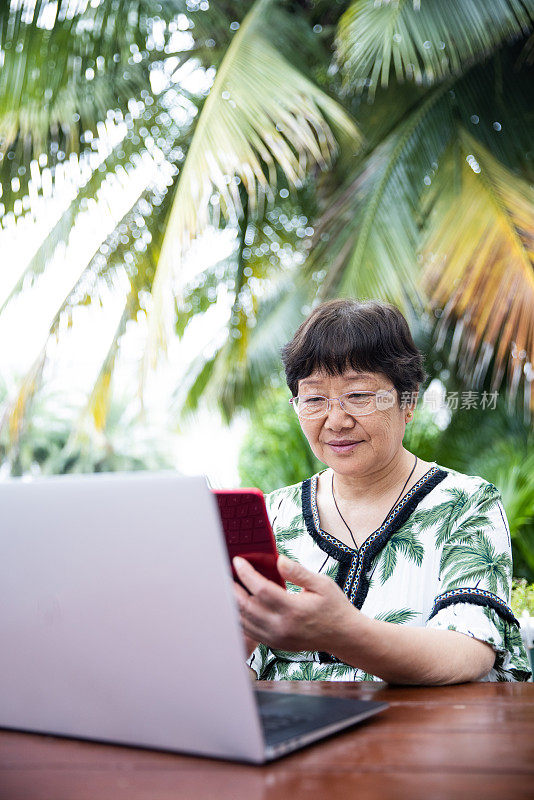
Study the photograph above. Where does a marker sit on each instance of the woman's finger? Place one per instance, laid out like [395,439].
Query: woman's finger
[267,592]
[240,594]
[257,630]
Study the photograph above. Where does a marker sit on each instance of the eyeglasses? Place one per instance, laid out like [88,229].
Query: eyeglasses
[357,404]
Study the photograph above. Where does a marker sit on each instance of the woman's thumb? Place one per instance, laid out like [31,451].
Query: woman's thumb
[297,574]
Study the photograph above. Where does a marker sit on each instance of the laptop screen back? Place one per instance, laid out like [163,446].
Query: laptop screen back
[117,619]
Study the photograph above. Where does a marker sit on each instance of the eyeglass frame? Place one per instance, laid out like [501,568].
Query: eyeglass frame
[330,400]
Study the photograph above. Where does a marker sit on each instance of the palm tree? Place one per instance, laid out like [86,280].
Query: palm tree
[387,144]
[442,140]
[447,146]
[452,510]
[221,151]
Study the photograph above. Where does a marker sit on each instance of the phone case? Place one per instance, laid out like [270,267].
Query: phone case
[247,530]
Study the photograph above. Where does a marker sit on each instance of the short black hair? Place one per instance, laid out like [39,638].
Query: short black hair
[368,336]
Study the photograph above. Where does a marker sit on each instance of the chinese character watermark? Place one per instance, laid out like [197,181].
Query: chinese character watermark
[451,401]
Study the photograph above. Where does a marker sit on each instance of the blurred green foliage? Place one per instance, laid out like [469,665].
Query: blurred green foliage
[48,445]
[275,451]
[522,597]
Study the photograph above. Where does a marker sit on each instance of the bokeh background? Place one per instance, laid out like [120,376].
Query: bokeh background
[181,181]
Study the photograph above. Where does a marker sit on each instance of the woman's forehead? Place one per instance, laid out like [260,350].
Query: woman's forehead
[351,376]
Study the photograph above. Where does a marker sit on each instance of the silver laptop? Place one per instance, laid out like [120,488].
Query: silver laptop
[118,623]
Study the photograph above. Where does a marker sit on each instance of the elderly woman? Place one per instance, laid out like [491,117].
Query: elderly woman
[398,570]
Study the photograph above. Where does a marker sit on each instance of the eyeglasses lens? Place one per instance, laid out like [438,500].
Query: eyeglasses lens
[356,403]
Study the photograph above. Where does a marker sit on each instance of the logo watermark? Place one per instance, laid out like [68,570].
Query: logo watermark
[451,401]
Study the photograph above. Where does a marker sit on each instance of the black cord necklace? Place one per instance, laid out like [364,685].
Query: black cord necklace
[387,515]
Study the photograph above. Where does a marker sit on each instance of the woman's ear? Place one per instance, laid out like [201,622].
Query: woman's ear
[410,407]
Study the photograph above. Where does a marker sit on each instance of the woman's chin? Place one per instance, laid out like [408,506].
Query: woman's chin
[345,463]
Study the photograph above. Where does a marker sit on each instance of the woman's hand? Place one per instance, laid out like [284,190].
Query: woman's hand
[321,618]
[312,619]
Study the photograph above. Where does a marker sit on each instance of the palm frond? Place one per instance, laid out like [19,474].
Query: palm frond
[479,269]
[309,671]
[466,533]
[332,571]
[397,616]
[88,50]
[423,41]
[445,511]
[369,233]
[140,275]
[406,543]
[94,275]
[16,410]
[494,101]
[476,561]
[389,561]
[261,112]
[242,368]
[71,39]
[90,182]
[99,60]
[285,534]
[338,669]
[100,398]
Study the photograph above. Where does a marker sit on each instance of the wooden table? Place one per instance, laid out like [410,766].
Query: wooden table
[452,742]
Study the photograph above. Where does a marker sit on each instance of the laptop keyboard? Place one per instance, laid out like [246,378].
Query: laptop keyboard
[287,718]
[280,722]
[243,522]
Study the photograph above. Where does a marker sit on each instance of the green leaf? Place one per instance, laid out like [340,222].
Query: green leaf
[479,243]
[261,112]
[90,69]
[423,41]
[372,219]
[466,563]
[397,616]
[389,561]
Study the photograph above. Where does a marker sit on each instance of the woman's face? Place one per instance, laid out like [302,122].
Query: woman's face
[354,445]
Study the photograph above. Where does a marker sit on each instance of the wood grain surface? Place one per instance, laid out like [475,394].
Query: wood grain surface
[451,742]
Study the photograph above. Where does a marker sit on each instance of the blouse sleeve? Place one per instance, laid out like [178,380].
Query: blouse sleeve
[260,661]
[475,574]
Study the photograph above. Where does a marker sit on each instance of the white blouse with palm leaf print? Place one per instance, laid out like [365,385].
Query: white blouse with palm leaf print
[441,559]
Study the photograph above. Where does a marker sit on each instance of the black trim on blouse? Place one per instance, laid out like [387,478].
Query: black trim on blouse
[346,557]
[365,553]
[478,597]
[368,552]
[378,544]
[343,556]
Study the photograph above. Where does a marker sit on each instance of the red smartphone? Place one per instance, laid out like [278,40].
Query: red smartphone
[247,531]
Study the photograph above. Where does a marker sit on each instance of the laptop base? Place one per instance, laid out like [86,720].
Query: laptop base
[291,721]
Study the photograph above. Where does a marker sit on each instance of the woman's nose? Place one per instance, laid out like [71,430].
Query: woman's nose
[336,417]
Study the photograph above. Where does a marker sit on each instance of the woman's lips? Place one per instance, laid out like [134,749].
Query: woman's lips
[342,447]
